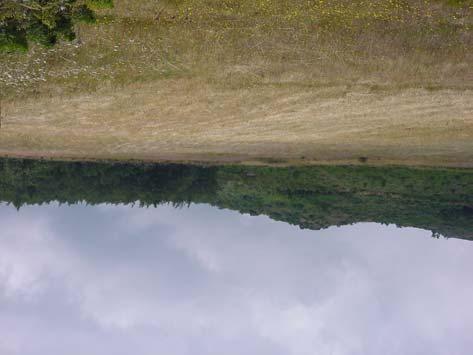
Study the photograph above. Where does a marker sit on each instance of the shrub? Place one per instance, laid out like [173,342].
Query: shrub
[43,21]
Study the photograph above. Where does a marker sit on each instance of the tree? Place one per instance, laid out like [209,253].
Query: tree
[43,21]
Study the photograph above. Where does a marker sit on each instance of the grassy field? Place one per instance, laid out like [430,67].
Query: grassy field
[313,81]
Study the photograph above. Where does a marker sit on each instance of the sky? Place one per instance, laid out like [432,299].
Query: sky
[96,280]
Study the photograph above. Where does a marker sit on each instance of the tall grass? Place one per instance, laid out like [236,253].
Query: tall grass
[378,44]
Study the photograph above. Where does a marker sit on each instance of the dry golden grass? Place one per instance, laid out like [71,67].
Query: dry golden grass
[288,79]
[380,43]
[151,122]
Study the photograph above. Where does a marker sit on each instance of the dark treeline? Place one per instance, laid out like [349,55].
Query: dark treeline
[25,182]
[439,200]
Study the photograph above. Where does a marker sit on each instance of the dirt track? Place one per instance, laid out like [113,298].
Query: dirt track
[191,121]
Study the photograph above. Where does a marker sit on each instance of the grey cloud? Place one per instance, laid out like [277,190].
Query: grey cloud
[121,280]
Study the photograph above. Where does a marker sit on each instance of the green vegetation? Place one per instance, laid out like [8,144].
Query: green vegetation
[43,21]
[440,200]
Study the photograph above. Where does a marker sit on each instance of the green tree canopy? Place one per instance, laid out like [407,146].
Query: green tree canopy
[43,21]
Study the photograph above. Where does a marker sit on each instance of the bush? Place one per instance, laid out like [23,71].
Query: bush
[11,38]
[43,21]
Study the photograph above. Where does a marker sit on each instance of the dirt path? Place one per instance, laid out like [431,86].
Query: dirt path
[191,121]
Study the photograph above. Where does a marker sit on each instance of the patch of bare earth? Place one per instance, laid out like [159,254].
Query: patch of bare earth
[186,120]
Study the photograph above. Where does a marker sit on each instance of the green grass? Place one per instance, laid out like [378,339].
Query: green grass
[100,4]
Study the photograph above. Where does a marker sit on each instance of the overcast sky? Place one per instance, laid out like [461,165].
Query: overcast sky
[120,280]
